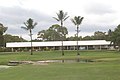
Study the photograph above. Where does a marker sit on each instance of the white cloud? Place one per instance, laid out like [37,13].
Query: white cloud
[99,9]
[98,14]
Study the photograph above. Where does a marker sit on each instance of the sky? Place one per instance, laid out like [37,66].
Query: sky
[99,15]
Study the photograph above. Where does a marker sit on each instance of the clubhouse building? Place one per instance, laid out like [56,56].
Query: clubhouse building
[56,45]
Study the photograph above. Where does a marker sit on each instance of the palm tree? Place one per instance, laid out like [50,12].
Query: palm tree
[61,16]
[77,21]
[29,25]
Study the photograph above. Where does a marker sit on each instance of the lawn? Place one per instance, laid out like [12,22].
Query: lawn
[106,66]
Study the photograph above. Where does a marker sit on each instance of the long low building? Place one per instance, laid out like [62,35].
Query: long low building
[56,45]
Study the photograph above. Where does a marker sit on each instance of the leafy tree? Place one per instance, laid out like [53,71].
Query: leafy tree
[29,25]
[57,29]
[65,32]
[88,38]
[115,37]
[53,33]
[41,35]
[98,35]
[11,38]
[73,38]
[61,16]
[2,31]
[77,21]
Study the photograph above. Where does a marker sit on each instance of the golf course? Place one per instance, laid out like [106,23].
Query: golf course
[92,65]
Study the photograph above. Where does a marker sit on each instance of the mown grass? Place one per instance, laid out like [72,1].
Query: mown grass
[63,71]
[45,55]
[105,67]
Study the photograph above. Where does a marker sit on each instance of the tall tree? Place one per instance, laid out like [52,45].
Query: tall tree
[53,33]
[61,16]
[2,31]
[77,21]
[88,38]
[115,37]
[98,35]
[11,38]
[29,25]
[42,35]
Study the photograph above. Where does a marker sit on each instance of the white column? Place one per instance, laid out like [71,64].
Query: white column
[74,47]
[87,47]
[12,49]
[100,47]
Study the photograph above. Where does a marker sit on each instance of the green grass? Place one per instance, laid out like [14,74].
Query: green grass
[63,71]
[105,67]
[45,55]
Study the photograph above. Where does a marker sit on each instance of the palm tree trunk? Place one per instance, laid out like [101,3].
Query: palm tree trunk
[62,38]
[4,41]
[31,41]
[118,47]
[77,41]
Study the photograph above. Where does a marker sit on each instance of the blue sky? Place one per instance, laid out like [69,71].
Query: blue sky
[99,15]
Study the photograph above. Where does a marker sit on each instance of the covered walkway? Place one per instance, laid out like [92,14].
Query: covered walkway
[56,45]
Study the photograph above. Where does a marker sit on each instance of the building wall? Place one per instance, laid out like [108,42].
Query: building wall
[98,47]
[56,45]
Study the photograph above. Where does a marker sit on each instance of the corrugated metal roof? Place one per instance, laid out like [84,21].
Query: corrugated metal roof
[57,43]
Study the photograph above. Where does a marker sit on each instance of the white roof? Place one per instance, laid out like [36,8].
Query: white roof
[57,43]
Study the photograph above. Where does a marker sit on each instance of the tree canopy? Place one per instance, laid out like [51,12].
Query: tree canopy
[3,29]
[115,37]
[53,33]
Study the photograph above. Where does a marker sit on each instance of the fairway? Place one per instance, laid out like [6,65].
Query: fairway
[106,66]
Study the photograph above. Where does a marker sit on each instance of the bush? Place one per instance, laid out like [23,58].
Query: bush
[2,49]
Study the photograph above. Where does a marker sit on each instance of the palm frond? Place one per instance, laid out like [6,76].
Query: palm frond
[74,22]
[24,28]
[80,20]
[61,13]
[65,14]
[25,23]
[60,16]
[35,24]
[77,20]
[66,18]
[56,18]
